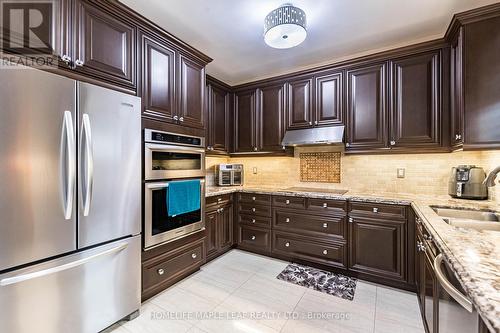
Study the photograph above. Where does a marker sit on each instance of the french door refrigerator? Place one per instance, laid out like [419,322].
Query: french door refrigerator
[70,204]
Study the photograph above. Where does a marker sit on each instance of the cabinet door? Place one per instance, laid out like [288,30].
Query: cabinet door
[192,93]
[300,94]
[329,99]
[212,240]
[387,236]
[366,107]
[218,128]
[244,121]
[158,79]
[481,84]
[104,44]
[64,33]
[457,110]
[270,118]
[225,224]
[415,110]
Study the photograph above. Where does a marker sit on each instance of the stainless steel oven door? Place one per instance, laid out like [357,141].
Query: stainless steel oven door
[170,161]
[158,227]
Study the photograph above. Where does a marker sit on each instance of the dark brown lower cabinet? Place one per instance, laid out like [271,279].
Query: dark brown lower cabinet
[219,227]
[254,239]
[377,247]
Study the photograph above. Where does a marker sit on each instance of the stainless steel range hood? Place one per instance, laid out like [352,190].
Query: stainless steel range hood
[314,136]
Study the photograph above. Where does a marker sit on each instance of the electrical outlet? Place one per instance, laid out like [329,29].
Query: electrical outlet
[401,172]
[254,170]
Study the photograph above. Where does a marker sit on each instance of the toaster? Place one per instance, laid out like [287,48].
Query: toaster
[466,181]
[229,174]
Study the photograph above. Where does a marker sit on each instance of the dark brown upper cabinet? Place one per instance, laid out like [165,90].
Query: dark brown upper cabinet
[191,92]
[158,79]
[244,121]
[366,108]
[415,101]
[104,44]
[218,118]
[271,117]
[480,83]
[300,103]
[329,99]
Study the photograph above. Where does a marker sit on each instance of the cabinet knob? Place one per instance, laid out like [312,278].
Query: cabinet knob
[310,123]
[218,210]
[287,244]
[315,122]
[78,62]
[460,137]
[219,199]
[325,252]
[287,220]
[194,255]
[222,209]
[393,143]
[418,220]
[347,144]
[428,237]
[283,147]
[325,225]
[287,201]
[325,205]
[254,148]
[161,271]
[375,209]
[66,58]
[253,237]
[253,198]
[351,220]
[176,118]
[181,119]
[253,220]
[253,209]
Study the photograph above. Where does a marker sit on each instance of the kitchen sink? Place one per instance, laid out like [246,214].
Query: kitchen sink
[469,218]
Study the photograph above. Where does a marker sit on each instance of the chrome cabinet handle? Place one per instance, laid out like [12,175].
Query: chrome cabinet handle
[66,58]
[222,209]
[64,267]
[325,225]
[310,123]
[218,210]
[181,119]
[176,118]
[375,209]
[287,244]
[315,122]
[393,143]
[253,237]
[67,162]
[253,209]
[194,256]
[325,252]
[78,62]
[283,147]
[325,205]
[253,220]
[89,165]
[254,148]
[347,144]
[253,198]
[351,220]
[287,220]
[287,202]
[219,199]
[457,295]
[161,271]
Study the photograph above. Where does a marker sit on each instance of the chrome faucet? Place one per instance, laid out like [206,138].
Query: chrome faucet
[490,180]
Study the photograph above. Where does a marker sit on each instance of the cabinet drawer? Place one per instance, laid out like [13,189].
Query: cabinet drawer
[289,202]
[327,206]
[254,210]
[304,223]
[307,248]
[376,210]
[258,221]
[255,199]
[172,264]
[218,200]
[254,238]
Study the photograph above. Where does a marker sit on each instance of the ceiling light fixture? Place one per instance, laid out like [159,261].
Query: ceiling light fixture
[285,27]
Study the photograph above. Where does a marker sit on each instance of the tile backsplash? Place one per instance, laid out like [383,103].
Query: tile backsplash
[424,173]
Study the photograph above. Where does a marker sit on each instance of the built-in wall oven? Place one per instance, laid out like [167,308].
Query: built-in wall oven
[171,159]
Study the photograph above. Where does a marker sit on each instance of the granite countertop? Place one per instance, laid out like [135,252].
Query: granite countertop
[474,255]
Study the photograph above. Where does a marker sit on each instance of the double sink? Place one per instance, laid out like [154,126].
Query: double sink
[469,218]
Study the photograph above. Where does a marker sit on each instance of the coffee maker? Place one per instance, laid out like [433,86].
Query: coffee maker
[466,182]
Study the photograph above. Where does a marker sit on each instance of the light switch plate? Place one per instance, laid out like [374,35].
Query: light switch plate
[401,172]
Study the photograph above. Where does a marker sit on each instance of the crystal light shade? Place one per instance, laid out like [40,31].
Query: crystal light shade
[285,27]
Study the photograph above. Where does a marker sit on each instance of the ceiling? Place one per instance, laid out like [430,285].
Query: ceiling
[231,31]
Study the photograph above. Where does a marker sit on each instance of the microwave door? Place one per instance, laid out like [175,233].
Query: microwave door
[109,128]
[37,178]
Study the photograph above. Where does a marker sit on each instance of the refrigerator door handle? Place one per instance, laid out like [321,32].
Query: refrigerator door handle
[89,164]
[68,164]
[57,269]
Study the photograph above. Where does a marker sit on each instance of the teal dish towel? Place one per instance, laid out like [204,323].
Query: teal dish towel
[183,197]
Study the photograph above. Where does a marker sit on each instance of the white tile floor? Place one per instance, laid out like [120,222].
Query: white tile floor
[242,288]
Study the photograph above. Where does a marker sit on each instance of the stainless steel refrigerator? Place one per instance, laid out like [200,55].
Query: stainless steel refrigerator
[70,204]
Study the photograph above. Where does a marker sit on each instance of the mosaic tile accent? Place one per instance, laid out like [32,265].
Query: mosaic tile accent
[320,167]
